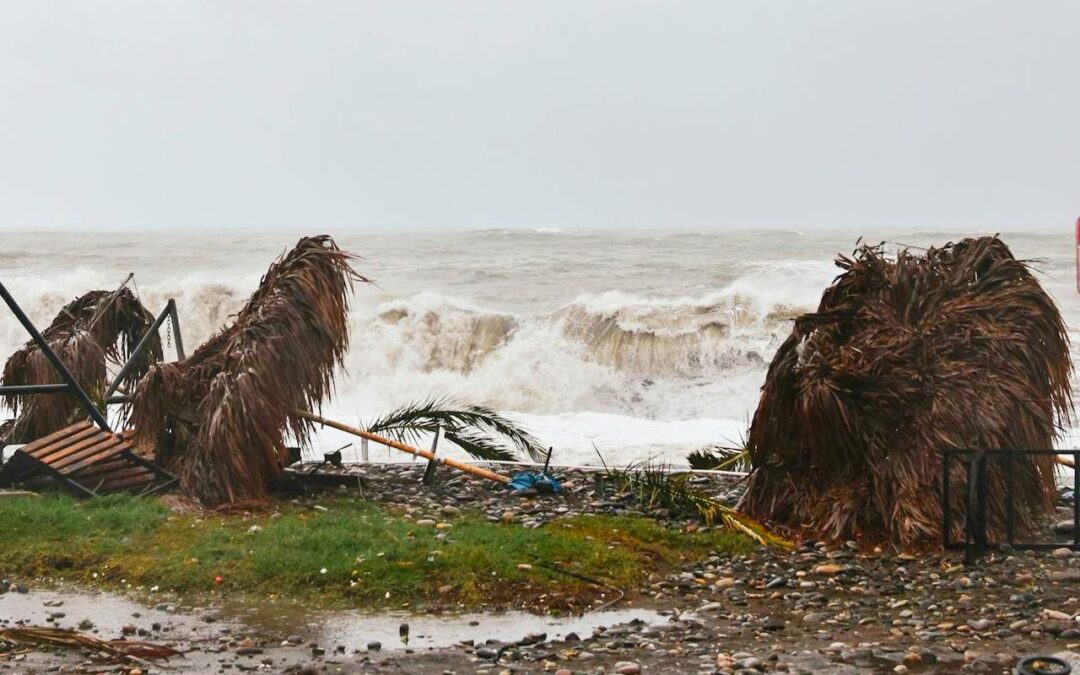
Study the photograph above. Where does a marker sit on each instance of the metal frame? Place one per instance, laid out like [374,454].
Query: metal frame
[976,542]
[71,386]
[144,343]
[111,397]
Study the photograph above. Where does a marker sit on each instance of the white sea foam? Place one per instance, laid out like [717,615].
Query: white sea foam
[640,344]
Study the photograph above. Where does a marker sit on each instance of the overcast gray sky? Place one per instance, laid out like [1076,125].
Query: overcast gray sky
[573,114]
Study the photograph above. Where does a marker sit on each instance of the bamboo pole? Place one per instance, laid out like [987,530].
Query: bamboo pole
[453,463]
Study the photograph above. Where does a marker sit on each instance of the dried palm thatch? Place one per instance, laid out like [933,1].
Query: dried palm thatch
[112,649]
[96,327]
[219,418]
[957,348]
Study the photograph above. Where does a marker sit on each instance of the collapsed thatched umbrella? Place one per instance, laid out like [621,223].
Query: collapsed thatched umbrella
[905,357]
[95,327]
[220,417]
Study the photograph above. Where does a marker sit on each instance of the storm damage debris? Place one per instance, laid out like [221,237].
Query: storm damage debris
[95,328]
[957,347]
[40,636]
[219,418]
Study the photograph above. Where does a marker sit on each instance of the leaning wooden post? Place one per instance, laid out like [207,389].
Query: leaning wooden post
[429,472]
[390,443]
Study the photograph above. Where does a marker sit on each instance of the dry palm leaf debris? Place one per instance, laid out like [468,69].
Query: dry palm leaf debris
[38,636]
[220,417]
[96,327]
[957,347]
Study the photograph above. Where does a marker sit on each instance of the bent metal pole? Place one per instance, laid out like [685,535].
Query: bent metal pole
[453,463]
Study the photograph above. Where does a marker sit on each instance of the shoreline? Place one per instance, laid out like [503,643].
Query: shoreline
[812,609]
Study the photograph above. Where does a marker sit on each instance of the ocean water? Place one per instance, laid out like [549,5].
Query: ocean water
[635,345]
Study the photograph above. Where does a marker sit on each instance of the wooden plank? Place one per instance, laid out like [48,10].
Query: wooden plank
[54,436]
[53,454]
[84,452]
[124,474]
[136,481]
[80,490]
[100,468]
[149,464]
[85,458]
[126,477]
[102,455]
[62,443]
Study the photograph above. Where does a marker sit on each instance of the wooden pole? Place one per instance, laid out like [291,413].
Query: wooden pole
[433,464]
[453,463]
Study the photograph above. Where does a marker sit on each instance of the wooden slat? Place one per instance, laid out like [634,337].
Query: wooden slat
[144,479]
[99,456]
[86,451]
[87,459]
[123,474]
[117,474]
[128,475]
[56,435]
[55,453]
[107,466]
[60,444]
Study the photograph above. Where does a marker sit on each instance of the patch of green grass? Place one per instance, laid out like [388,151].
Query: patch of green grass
[355,553]
[58,532]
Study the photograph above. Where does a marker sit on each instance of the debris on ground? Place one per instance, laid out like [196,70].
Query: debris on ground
[41,636]
[957,347]
[220,417]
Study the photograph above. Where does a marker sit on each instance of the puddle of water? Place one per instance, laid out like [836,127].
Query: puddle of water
[108,612]
[355,630]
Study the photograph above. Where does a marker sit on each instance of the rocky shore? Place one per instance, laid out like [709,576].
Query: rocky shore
[813,609]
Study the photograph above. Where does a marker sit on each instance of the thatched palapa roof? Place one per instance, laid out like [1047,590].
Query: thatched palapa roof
[958,347]
[219,418]
[96,327]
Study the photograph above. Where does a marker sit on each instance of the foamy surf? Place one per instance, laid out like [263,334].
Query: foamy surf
[639,344]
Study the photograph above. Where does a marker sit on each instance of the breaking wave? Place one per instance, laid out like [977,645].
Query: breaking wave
[610,352]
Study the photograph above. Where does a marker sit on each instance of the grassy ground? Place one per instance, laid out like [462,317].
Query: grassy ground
[354,553]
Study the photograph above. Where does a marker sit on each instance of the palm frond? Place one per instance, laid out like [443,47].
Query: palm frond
[477,429]
[220,417]
[97,328]
[655,485]
[906,356]
[719,458]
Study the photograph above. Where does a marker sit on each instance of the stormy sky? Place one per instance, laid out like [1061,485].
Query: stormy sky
[563,113]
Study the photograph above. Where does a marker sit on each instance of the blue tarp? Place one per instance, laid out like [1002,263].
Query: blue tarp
[543,482]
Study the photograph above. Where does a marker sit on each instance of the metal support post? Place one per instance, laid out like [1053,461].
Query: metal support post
[65,374]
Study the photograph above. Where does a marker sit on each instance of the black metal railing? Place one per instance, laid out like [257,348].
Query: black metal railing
[976,541]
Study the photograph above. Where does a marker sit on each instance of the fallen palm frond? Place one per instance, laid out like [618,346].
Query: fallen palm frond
[220,417]
[397,445]
[719,458]
[96,327]
[476,429]
[655,485]
[959,347]
[59,637]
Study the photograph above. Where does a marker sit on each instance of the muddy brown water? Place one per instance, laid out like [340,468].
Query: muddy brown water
[111,612]
[356,630]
